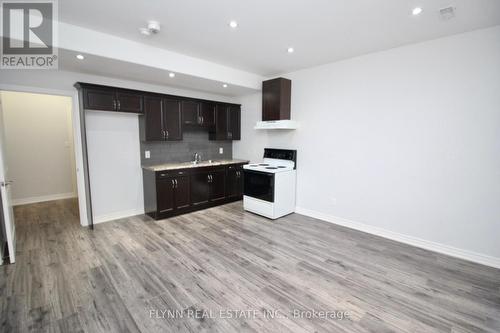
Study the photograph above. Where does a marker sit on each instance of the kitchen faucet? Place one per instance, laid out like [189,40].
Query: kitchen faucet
[197,158]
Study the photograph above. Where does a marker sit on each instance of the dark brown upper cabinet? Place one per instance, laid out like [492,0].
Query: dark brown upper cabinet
[99,99]
[227,123]
[190,112]
[276,97]
[195,113]
[162,119]
[129,102]
[207,114]
[165,115]
[111,99]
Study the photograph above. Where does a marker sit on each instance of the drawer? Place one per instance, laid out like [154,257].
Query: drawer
[171,173]
[235,167]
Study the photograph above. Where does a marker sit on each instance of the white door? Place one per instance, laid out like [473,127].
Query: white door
[5,183]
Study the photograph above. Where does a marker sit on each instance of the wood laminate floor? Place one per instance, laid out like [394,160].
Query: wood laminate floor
[223,260]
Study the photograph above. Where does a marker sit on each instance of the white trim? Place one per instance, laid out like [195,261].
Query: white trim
[414,241]
[77,138]
[43,198]
[117,215]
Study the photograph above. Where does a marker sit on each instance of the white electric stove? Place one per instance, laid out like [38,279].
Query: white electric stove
[269,186]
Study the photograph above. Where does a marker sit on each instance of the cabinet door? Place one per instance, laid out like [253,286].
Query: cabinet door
[219,131]
[129,102]
[199,188]
[153,119]
[182,190]
[172,119]
[165,195]
[191,113]
[207,114]
[234,182]
[99,99]
[218,185]
[234,123]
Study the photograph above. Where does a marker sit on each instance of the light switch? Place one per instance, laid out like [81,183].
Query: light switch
[147,154]
[221,150]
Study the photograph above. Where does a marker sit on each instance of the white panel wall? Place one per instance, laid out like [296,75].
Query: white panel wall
[115,164]
[405,141]
[39,146]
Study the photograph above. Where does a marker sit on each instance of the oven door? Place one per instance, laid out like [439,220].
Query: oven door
[259,185]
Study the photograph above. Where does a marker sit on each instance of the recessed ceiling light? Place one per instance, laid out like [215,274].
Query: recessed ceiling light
[80,57]
[171,74]
[416,11]
[290,50]
[224,85]
[233,24]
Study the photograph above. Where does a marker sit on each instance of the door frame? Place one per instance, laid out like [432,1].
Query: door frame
[77,138]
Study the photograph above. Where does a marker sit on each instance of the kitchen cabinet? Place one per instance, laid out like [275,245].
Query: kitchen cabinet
[276,99]
[207,114]
[161,120]
[111,99]
[165,116]
[234,181]
[200,188]
[217,185]
[172,119]
[227,123]
[208,185]
[200,114]
[165,195]
[190,112]
[169,193]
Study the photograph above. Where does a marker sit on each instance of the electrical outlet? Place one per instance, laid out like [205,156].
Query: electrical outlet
[221,150]
[147,154]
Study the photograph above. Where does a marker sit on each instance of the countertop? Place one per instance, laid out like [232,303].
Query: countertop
[188,165]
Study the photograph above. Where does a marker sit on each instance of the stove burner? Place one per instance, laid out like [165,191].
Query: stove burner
[253,165]
[263,164]
[281,166]
[271,168]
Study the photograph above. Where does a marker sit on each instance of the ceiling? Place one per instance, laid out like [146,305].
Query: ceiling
[103,66]
[320,31]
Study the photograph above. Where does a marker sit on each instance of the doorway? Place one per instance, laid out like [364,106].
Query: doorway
[39,162]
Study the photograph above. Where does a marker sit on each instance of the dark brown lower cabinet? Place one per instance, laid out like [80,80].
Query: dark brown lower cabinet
[165,195]
[200,190]
[169,193]
[234,181]
[218,185]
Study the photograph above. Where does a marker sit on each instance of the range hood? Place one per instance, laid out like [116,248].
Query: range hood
[276,97]
[277,124]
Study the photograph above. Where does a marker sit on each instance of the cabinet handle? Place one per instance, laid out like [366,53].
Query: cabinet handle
[229,135]
[208,178]
[119,105]
[114,104]
[173,184]
[202,120]
[166,134]
[162,175]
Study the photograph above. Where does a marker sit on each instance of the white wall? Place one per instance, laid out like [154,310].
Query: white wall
[113,139]
[39,146]
[406,142]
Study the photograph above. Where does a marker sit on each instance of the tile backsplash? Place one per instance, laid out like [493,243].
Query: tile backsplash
[194,141]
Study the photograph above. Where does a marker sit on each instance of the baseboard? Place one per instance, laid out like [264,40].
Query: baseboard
[43,198]
[410,240]
[117,215]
